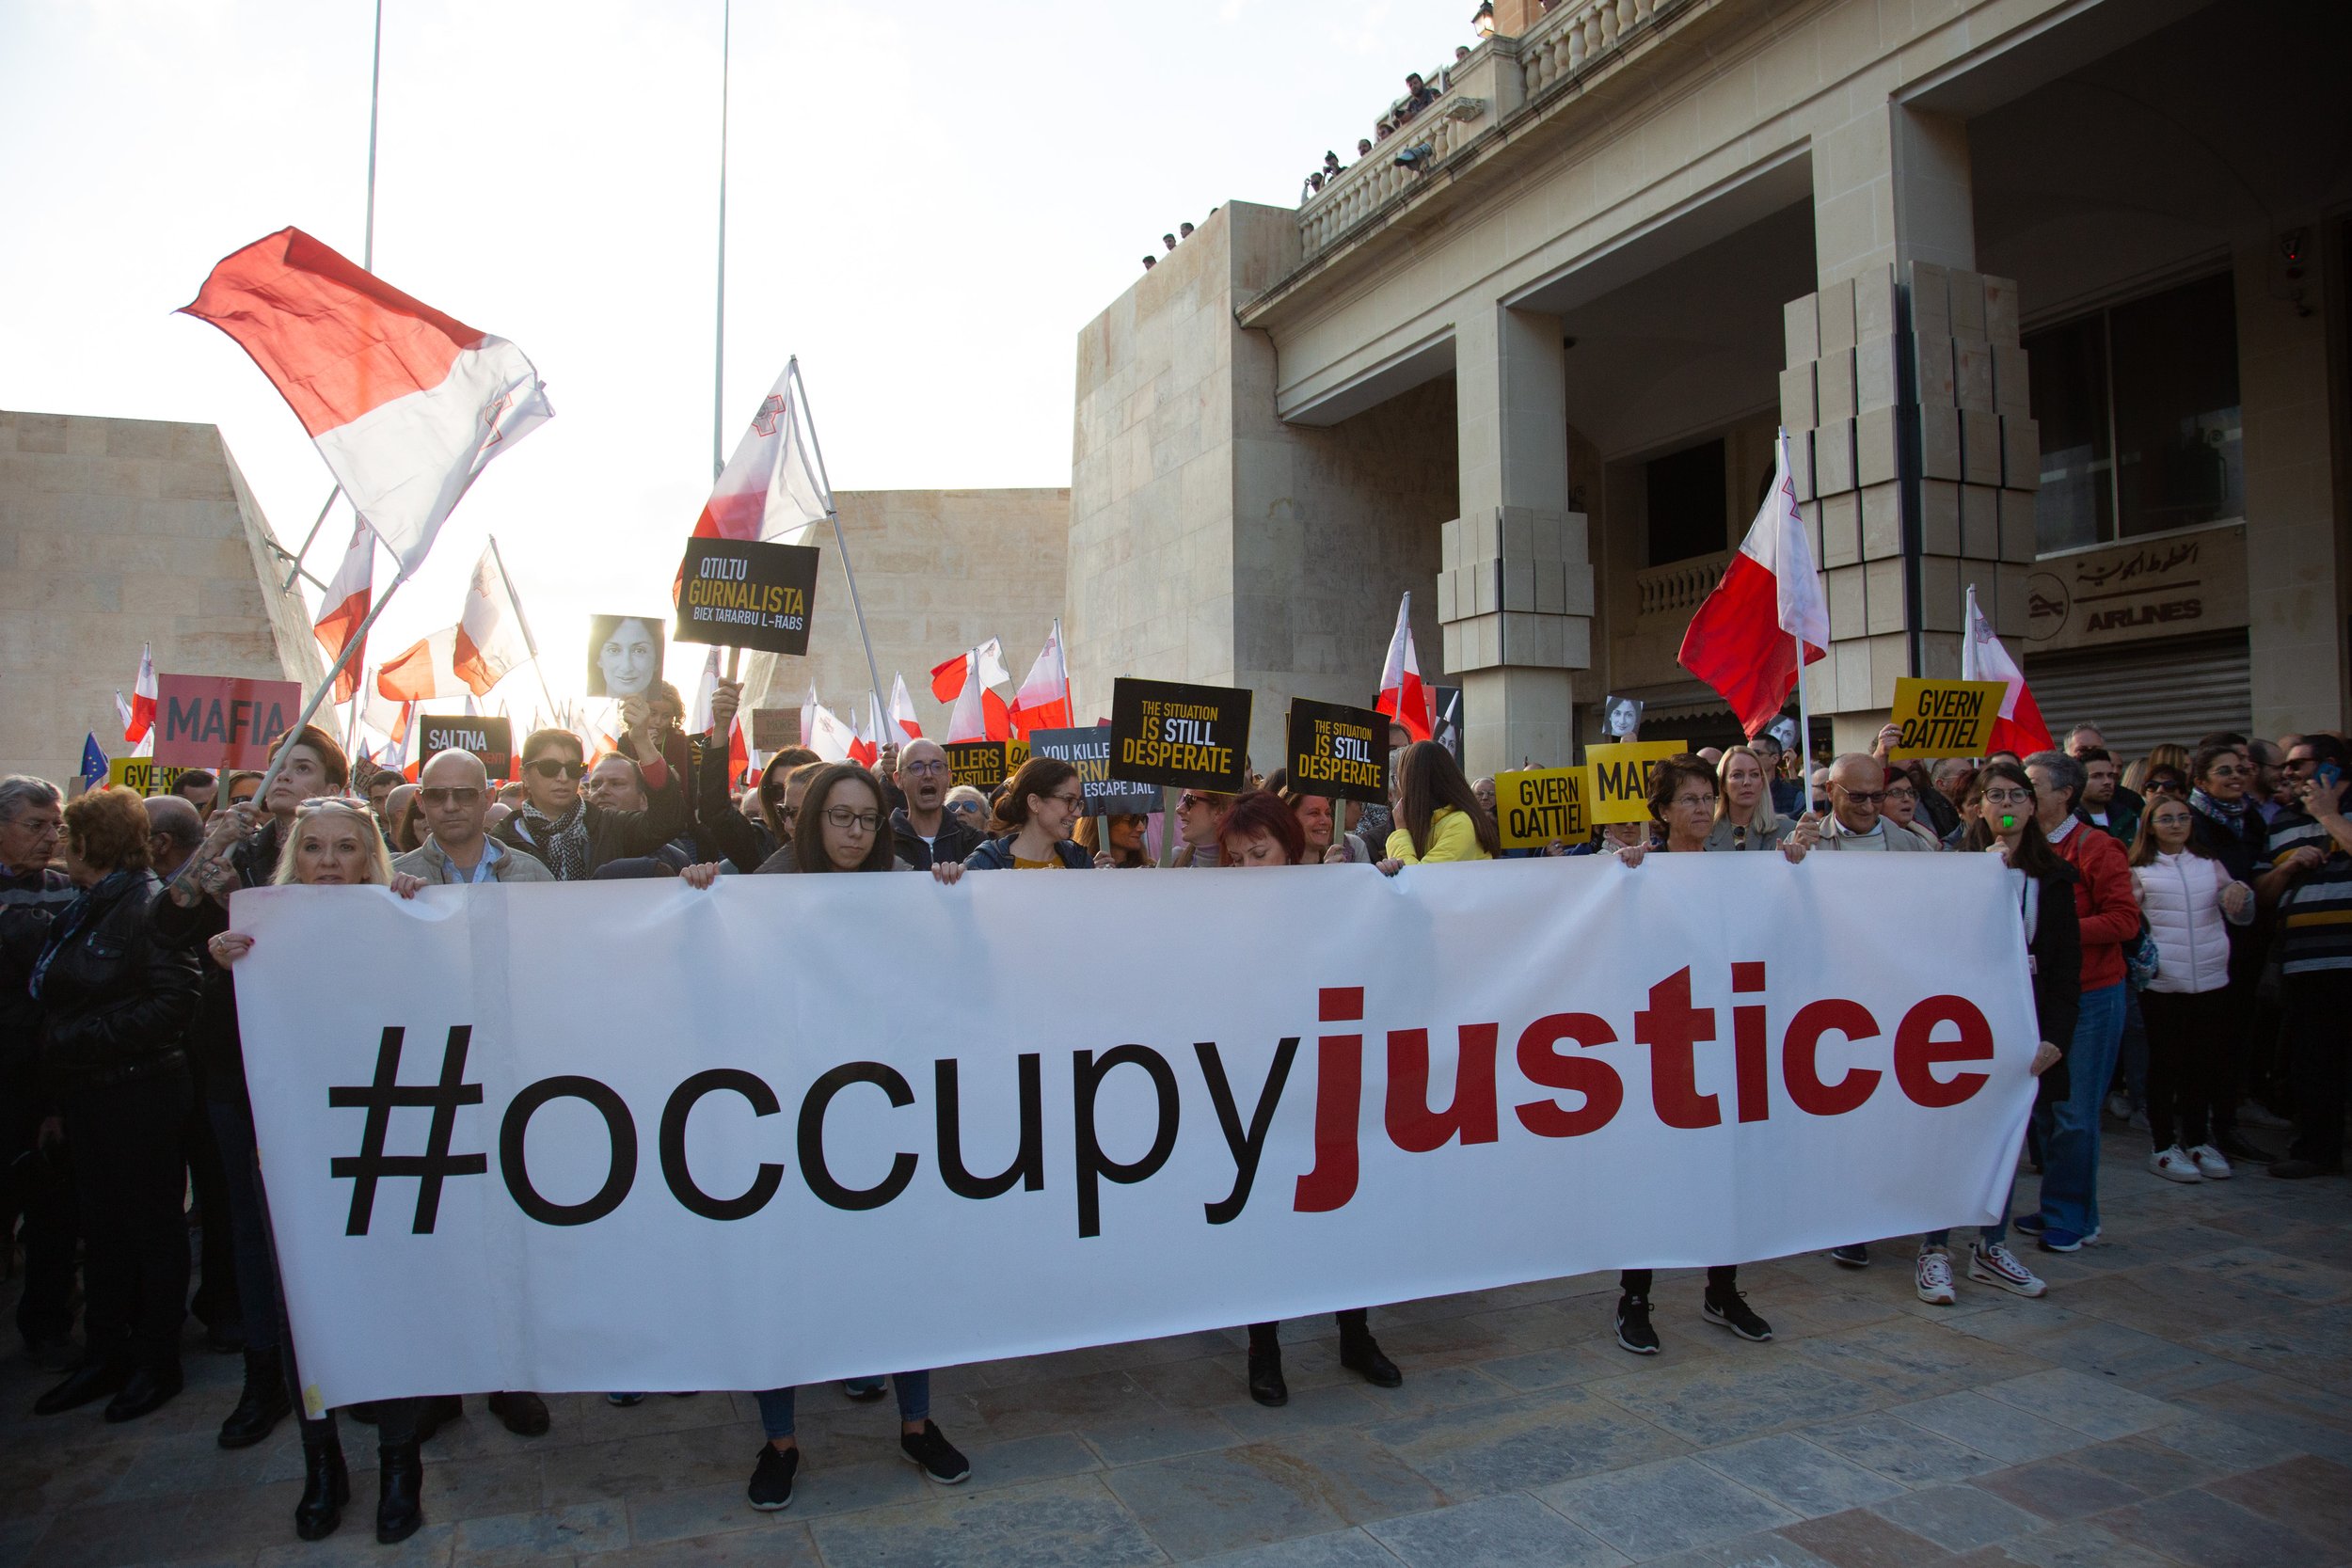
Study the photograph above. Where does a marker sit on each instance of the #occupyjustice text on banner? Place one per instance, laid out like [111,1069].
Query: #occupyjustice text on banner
[1463,1078]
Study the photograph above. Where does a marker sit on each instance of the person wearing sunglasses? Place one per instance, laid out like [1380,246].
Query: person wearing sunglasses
[1039,807]
[456,792]
[1200,825]
[1856,789]
[573,835]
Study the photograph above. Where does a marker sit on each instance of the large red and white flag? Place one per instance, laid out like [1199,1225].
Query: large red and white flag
[1043,701]
[769,489]
[2020,728]
[738,753]
[823,730]
[345,605]
[423,671]
[395,752]
[406,405]
[140,717]
[902,710]
[866,742]
[1403,697]
[1744,640]
[978,713]
[491,641]
[706,687]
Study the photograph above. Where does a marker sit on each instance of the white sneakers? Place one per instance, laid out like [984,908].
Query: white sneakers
[1992,1264]
[2176,1165]
[2210,1162]
[1935,1277]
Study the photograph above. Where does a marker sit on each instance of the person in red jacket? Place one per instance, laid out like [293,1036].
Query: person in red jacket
[2069,1125]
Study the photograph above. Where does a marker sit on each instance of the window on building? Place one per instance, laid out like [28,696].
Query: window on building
[1686,513]
[2139,411]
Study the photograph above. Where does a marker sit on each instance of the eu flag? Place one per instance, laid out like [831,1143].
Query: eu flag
[93,763]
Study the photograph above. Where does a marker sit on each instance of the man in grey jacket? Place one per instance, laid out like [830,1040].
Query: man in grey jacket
[457,795]
[1856,785]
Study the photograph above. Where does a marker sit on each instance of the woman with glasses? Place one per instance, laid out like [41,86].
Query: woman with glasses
[572,835]
[334,843]
[970,807]
[1034,820]
[841,826]
[1683,805]
[2003,823]
[1901,807]
[1262,829]
[1116,841]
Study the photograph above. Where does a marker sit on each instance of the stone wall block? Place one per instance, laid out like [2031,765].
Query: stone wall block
[1890,662]
[1800,405]
[1519,534]
[1519,584]
[1874,303]
[1930,300]
[1877,442]
[1972,375]
[2021,453]
[1551,535]
[2000,311]
[1833,457]
[1577,591]
[1967,297]
[1445,596]
[1450,543]
[1486,588]
[1853,658]
[1835,383]
[1552,586]
[1980,522]
[1877,380]
[1838,318]
[2012,389]
[1941,607]
[1849,606]
[1800,464]
[2009,619]
[2017,525]
[1801,331]
[1938,380]
[1882,586]
[1979,447]
[1939,443]
[1882,521]
[1841,528]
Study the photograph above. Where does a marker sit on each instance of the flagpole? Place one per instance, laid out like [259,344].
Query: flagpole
[833,516]
[521,620]
[718,335]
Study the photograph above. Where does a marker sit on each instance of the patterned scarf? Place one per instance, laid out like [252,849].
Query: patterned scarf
[564,838]
[2229,814]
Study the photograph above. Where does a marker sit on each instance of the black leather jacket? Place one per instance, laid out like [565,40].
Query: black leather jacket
[115,1000]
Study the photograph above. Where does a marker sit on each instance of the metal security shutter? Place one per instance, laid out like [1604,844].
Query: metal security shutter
[2145,695]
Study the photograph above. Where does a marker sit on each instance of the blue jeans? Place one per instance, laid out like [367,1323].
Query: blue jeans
[2070,1127]
[1991,1235]
[913,1388]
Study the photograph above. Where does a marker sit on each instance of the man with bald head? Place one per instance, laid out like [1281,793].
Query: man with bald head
[1857,783]
[175,829]
[457,847]
[926,833]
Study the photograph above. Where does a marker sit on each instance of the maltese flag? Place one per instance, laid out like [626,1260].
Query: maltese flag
[902,708]
[408,405]
[698,716]
[823,730]
[769,489]
[491,641]
[978,713]
[867,741]
[2020,728]
[1745,640]
[139,716]
[345,605]
[1403,697]
[1043,701]
[421,671]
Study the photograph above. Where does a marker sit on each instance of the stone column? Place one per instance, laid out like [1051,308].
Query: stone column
[1515,584]
[1905,399]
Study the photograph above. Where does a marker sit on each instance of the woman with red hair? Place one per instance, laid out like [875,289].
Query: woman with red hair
[1262,829]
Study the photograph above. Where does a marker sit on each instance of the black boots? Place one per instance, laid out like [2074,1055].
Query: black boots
[263,1404]
[400,1499]
[1359,1352]
[1265,1375]
[325,1484]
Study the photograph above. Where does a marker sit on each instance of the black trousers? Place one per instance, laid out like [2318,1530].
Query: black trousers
[2190,1034]
[2239,1069]
[1266,1335]
[217,1299]
[37,1187]
[1636,1282]
[2317,1006]
[130,1172]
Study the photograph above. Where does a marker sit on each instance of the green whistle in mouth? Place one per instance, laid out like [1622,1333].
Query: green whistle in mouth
[2007,820]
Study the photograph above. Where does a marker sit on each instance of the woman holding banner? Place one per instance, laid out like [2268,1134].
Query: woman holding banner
[1438,818]
[842,826]
[2001,802]
[1744,818]
[334,842]
[1682,803]
[1262,829]
[1034,820]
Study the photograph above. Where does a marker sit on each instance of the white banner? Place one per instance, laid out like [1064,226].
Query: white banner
[632,1135]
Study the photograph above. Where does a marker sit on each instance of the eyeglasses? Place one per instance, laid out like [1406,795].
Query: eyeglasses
[1706,802]
[924,769]
[2007,796]
[556,768]
[785,813]
[964,808]
[1864,797]
[1188,800]
[437,795]
[844,819]
[1071,800]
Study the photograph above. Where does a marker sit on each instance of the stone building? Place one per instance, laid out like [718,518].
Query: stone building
[115,532]
[938,572]
[2047,293]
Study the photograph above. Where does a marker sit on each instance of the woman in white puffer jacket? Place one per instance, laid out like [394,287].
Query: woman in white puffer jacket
[2187,897]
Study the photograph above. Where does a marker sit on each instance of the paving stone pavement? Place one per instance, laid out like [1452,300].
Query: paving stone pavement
[2183,1395]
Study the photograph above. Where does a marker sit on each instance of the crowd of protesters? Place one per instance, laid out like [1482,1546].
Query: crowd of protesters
[2187,919]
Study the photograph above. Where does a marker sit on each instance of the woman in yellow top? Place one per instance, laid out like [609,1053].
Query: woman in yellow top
[1437,816]
[1035,818]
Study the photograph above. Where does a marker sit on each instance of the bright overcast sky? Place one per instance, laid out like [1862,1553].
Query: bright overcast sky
[925,203]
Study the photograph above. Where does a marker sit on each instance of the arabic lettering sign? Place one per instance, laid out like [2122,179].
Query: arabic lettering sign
[2129,593]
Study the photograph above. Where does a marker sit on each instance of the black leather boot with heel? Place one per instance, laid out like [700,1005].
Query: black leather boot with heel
[326,1482]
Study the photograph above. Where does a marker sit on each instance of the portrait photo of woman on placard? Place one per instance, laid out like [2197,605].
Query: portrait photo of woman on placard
[624,655]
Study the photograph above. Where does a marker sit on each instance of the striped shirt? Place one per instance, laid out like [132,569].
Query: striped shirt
[2316,912]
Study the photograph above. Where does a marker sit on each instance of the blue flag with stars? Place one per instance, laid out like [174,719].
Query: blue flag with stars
[93,763]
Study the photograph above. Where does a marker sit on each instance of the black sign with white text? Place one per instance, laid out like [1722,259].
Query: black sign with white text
[740,594]
[491,739]
[1335,750]
[1187,736]
[1090,752]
